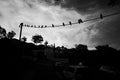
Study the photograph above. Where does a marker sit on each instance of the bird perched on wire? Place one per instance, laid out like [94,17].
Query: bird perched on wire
[42,26]
[63,24]
[101,16]
[45,26]
[39,26]
[80,21]
[53,25]
[70,23]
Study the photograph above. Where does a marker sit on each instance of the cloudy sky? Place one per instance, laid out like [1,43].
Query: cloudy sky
[47,12]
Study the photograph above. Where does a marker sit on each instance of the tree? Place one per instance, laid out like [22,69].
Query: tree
[2,33]
[11,34]
[81,47]
[24,39]
[46,43]
[37,39]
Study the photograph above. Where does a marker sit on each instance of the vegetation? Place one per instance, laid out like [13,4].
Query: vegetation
[37,39]
[46,43]
[11,34]
[24,39]
[2,32]
[26,59]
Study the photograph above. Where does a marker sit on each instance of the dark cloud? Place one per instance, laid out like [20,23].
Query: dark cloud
[87,6]
[55,2]
[109,29]
[109,32]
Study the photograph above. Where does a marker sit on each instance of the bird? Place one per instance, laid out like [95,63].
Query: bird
[53,25]
[101,16]
[31,25]
[45,26]
[42,26]
[63,24]
[70,23]
[80,21]
[39,26]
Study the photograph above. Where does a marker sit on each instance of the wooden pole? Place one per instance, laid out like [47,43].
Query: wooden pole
[21,26]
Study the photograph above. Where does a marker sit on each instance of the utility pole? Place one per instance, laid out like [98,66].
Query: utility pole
[20,26]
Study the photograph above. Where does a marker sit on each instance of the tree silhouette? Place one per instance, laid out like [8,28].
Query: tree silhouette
[81,47]
[46,43]
[2,33]
[37,39]
[24,39]
[11,34]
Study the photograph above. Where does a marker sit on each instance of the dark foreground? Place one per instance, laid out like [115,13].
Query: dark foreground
[18,62]
[48,71]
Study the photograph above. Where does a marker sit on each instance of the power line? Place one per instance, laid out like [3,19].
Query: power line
[101,16]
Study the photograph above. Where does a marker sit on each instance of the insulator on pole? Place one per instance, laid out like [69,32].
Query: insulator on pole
[80,21]
[63,24]
[21,24]
[70,23]
[101,16]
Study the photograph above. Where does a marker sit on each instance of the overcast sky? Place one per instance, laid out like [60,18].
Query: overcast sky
[47,12]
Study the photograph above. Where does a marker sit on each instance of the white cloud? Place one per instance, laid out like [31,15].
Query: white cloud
[34,12]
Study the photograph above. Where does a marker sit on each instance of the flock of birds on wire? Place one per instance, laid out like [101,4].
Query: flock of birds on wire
[101,16]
